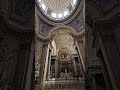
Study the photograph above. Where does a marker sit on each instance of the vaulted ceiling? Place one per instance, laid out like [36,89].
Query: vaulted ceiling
[57,13]
[57,9]
[63,43]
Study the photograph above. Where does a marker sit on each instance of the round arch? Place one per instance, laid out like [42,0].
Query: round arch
[68,28]
[97,12]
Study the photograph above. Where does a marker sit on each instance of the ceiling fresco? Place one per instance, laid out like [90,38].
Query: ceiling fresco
[44,28]
[57,9]
[78,23]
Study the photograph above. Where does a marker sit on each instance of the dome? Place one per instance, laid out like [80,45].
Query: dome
[57,9]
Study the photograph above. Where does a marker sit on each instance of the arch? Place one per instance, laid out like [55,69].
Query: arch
[97,12]
[48,36]
[71,29]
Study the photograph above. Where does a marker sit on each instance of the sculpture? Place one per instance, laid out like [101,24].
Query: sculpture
[6,55]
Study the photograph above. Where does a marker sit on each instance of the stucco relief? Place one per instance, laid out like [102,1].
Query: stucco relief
[44,28]
[38,53]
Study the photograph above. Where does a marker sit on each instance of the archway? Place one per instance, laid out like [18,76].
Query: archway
[62,59]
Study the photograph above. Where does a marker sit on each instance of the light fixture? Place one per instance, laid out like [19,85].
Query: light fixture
[74,1]
[39,0]
[60,15]
[54,15]
[43,6]
[66,13]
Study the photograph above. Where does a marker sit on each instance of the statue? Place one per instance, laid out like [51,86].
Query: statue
[6,55]
[66,75]
[5,52]
[3,81]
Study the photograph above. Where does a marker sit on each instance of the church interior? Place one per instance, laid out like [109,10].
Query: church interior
[60,42]
[59,45]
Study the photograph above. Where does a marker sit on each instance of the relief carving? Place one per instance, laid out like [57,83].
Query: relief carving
[6,61]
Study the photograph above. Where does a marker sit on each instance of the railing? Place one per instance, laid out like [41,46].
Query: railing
[64,84]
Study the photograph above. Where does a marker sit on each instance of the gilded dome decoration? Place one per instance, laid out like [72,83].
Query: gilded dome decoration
[57,10]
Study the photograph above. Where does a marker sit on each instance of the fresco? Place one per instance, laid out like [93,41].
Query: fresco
[44,28]
[78,22]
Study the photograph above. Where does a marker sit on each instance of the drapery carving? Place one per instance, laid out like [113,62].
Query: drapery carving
[7,63]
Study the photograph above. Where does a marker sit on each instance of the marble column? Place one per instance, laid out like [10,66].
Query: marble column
[23,60]
[46,63]
[30,68]
[94,86]
[80,63]
[56,68]
[111,58]
[81,52]
[105,72]
[49,72]
[74,65]
[40,48]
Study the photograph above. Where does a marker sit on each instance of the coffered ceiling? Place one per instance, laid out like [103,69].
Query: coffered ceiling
[63,44]
[57,9]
